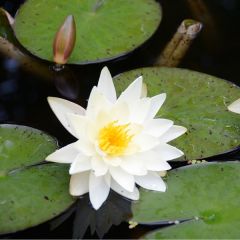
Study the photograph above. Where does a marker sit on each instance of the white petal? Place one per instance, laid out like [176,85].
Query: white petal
[106,86]
[97,102]
[149,160]
[120,112]
[99,166]
[133,92]
[102,119]
[81,164]
[156,127]
[139,110]
[167,152]
[123,178]
[235,106]
[151,182]
[133,165]
[66,154]
[85,147]
[78,124]
[79,184]
[155,164]
[83,127]
[156,103]
[174,132]
[99,188]
[120,190]
[145,142]
[131,149]
[112,161]
[62,107]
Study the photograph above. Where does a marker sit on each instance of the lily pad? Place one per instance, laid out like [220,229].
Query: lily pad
[197,101]
[197,230]
[207,193]
[31,192]
[106,29]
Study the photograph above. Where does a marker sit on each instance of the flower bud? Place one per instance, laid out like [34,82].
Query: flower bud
[64,41]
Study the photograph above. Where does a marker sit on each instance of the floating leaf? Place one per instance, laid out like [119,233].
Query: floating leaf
[106,29]
[207,193]
[31,193]
[197,230]
[198,102]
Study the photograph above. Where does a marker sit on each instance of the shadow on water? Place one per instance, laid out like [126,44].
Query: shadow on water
[81,220]
[23,101]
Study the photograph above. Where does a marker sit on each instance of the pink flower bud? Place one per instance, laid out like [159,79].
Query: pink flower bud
[64,41]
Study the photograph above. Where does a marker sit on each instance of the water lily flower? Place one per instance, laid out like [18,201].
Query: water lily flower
[235,106]
[119,145]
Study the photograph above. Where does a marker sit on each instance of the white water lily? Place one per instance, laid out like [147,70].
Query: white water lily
[235,106]
[120,144]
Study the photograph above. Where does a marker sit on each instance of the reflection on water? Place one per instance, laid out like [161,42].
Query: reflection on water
[81,220]
[65,82]
[23,97]
[115,210]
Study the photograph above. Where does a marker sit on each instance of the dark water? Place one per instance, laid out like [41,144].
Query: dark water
[23,97]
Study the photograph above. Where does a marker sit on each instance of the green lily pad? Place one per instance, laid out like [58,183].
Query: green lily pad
[197,230]
[197,101]
[208,193]
[106,29]
[31,192]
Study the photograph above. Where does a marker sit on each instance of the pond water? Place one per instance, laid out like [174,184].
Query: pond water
[23,98]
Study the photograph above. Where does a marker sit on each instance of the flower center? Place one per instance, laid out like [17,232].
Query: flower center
[114,139]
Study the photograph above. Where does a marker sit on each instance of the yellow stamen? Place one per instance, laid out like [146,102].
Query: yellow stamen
[114,139]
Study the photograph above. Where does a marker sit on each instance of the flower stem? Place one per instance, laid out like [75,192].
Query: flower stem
[10,18]
[178,46]
[6,30]
[28,63]
[201,12]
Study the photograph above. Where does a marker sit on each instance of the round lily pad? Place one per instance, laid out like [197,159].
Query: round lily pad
[197,230]
[196,101]
[207,194]
[31,192]
[106,29]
